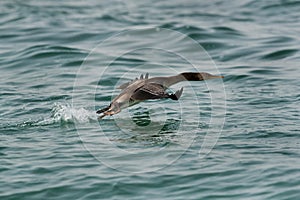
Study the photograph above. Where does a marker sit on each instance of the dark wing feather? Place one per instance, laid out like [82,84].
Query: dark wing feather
[149,91]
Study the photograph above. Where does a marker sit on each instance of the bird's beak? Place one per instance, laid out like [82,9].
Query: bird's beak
[210,76]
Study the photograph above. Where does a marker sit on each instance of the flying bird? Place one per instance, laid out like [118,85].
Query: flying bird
[145,88]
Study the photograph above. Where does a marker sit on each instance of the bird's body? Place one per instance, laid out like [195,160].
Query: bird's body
[146,88]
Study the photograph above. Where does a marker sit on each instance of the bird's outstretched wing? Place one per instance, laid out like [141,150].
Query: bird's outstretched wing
[150,91]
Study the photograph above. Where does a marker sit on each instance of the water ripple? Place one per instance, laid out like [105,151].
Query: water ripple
[280,54]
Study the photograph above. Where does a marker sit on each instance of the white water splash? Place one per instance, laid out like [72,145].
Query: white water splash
[64,113]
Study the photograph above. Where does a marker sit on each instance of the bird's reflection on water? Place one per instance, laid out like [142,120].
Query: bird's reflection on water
[146,128]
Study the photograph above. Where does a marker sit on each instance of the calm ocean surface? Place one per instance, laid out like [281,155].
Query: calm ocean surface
[236,138]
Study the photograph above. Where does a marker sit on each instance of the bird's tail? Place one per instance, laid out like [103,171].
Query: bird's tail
[177,94]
